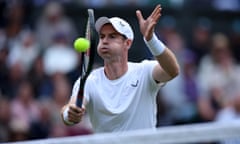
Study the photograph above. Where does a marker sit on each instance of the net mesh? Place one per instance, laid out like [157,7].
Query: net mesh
[185,134]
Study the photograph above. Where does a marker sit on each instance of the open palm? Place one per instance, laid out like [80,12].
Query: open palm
[147,25]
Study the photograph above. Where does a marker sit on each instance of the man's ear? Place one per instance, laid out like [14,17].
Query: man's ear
[129,43]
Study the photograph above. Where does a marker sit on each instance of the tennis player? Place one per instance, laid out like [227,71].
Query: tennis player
[121,95]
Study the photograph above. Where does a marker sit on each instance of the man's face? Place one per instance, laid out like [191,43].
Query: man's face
[112,44]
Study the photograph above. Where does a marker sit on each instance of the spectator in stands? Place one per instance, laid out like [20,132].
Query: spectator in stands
[60,56]
[4,70]
[24,109]
[217,77]
[15,74]
[181,101]
[40,81]
[24,51]
[4,119]
[52,22]
[41,128]
[167,27]
[235,38]
[61,92]
[14,21]
[110,3]
[199,40]
[230,114]
[230,5]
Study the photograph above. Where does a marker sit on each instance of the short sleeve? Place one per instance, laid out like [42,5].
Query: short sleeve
[148,68]
[88,88]
[75,88]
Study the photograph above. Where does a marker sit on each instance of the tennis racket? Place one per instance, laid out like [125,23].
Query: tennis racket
[87,58]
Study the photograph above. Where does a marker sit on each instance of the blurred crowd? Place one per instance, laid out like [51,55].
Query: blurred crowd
[38,67]
[208,87]
[37,70]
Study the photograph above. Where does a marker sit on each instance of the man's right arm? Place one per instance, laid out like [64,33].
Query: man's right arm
[70,113]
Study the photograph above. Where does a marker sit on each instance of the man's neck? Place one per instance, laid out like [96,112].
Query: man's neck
[115,70]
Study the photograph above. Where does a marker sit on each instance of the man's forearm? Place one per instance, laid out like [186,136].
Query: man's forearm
[164,56]
[168,62]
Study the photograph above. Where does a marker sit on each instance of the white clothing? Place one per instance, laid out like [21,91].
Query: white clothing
[59,58]
[212,75]
[173,94]
[23,55]
[127,103]
[228,115]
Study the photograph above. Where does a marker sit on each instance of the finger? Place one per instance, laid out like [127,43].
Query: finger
[156,10]
[74,118]
[139,16]
[157,13]
[76,113]
[73,113]
[157,16]
[74,108]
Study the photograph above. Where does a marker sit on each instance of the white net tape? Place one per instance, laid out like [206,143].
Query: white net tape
[207,132]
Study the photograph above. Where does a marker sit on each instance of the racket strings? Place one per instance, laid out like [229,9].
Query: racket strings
[85,55]
[87,58]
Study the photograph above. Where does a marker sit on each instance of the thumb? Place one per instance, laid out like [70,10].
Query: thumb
[139,16]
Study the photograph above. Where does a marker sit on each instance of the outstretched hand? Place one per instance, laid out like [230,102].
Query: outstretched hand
[147,25]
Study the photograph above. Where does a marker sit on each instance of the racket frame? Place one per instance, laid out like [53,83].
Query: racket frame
[86,64]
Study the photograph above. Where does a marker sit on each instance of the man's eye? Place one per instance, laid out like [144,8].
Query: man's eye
[113,36]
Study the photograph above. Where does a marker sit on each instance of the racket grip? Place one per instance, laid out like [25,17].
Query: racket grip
[80,98]
[79,102]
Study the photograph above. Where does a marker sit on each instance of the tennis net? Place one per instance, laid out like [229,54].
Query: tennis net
[183,134]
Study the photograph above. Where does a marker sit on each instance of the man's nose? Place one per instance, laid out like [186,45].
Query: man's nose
[105,39]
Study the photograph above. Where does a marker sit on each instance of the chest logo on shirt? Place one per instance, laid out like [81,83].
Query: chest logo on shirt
[135,84]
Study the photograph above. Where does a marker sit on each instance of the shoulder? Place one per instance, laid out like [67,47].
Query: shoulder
[97,71]
[143,63]
[149,62]
[95,74]
[143,69]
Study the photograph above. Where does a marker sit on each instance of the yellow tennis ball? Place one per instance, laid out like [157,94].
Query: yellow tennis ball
[81,44]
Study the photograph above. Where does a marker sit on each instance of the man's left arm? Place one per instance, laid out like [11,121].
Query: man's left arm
[168,67]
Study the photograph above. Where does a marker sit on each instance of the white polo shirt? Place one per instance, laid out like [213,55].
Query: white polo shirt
[124,104]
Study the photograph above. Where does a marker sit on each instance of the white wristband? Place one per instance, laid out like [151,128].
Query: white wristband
[65,116]
[155,45]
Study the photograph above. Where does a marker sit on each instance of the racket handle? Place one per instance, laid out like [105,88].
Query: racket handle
[79,102]
[80,98]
